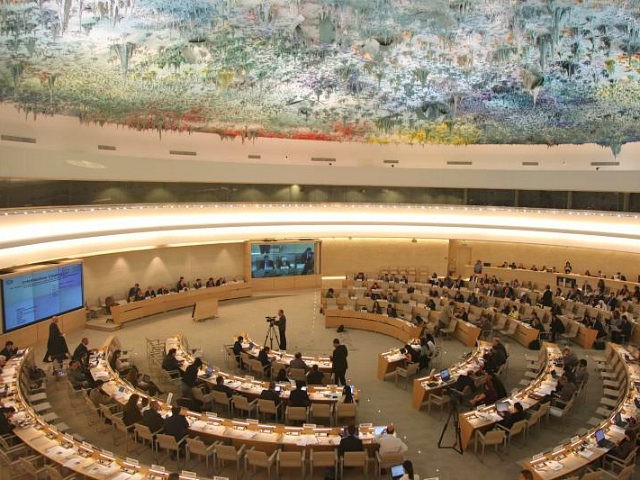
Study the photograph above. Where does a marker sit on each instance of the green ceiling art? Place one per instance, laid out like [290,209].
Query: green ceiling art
[380,71]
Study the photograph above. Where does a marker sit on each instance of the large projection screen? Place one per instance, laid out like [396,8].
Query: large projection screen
[36,295]
[284,259]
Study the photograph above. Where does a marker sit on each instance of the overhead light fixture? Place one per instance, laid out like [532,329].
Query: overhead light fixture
[86,164]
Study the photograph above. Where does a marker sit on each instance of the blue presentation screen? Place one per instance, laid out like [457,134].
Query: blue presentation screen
[282,259]
[38,295]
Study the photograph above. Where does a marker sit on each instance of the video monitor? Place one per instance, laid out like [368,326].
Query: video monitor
[282,259]
[33,296]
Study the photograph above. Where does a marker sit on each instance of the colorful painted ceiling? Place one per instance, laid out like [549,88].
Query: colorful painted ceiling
[412,71]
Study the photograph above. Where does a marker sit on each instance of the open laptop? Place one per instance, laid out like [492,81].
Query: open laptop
[619,421]
[602,441]
[397,471]
[445,376]
[502,407]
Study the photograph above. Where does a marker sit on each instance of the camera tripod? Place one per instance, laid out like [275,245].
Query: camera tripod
[453,414]
[272,334]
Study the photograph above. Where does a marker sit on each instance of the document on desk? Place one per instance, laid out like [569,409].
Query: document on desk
[199,425]
[59,452]
[78,462]
[102,471]
[586,453]
[128,476]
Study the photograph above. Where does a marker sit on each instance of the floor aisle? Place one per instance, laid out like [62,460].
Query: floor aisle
[381,402]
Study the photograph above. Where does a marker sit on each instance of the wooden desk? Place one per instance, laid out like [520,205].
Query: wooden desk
[524,334]
[568,456]
[252,388]
[60,450]
[164,303]
[425,386]
[467,333]
[394,327]
[388,361]
[265,437]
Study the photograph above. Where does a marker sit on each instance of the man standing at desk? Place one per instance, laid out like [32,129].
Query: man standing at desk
[281,321]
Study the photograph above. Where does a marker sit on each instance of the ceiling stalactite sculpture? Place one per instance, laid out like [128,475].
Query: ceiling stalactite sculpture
[383,71]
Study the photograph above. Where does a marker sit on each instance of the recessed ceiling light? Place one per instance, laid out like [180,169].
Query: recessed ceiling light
[86,164]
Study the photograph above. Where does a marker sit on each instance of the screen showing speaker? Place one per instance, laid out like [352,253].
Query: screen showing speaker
[37,295]
[282,259]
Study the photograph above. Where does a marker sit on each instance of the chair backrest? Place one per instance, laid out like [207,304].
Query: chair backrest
[323,459]
[321,409]
[265,405]
[166,441]
[220,397]
[518,427]
[297,374]
[355,459]
[52,473]
[493,437]
[27,467]
[226,452]
[390,459]
[412,368]
[143,431]
[197,446]
[291,459]
[597,475]
[257,458]
[346,409]
[240,402]
[297,413]
[627,472]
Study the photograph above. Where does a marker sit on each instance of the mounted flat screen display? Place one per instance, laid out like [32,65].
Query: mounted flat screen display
[37,295]
[282,259]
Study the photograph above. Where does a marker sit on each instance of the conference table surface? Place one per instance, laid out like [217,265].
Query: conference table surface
[265,437]
[126,312]
[252,387]
[582,450]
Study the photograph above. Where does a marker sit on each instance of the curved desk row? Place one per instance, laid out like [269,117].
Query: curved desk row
[566,459]
[81,458]
[425,386]
[264,437]
[484,418]
[394,327]
[127,312]
[250,387]
[284,358]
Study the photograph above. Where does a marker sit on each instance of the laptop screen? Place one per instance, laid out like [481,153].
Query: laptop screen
[599,435]
[397,471]
[445,375]
[502,407]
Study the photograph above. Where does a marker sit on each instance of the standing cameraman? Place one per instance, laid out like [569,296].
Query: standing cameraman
[281,321]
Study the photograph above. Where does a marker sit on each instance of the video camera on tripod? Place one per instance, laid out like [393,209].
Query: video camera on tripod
[270,320]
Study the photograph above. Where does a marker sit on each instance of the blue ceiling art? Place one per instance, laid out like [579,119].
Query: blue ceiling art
[381,71]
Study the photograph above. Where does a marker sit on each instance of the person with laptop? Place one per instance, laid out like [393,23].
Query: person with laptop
[237,351]
[509,418]
[625,447]
[389,442]
[299,397]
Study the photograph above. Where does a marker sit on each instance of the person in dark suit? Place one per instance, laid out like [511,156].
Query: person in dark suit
[57,349]
[170,363]
[237,351]
[265,361]
[131,413]
[299,397]
[176,425]
[547,297]
[190,376]
[270,393]
[221,387]
[510,418]
[9,350]
[350,443]
[132,292]
[281,322]
[6,427]
[315,376]
[81,350]
[339,362]
[152,418]
[149,293]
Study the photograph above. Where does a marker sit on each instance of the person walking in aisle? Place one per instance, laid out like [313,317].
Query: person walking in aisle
[339,362]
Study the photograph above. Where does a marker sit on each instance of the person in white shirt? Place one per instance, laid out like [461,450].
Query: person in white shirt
[389,443]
